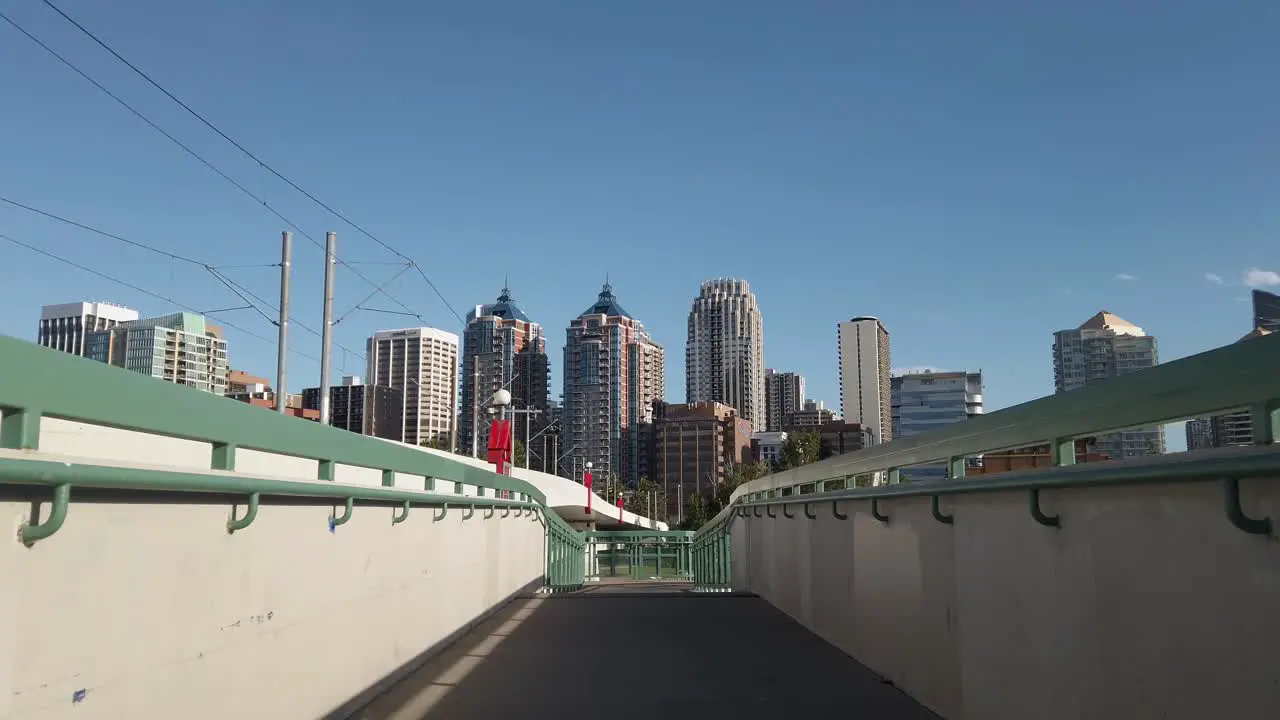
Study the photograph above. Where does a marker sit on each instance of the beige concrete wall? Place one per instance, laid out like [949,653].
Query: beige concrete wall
[155,611]
[1146,603]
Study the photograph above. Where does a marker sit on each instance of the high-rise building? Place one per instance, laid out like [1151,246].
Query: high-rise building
[1266,311]
[613,372]
[181,348]
[697,447]
[1107,346]
[502,348]
[1229,429]
[724,354]
[811,414]
[422,363]
[64,327]
[863,352]
[783,394]
[366,409]
[929,400]
[1199,433]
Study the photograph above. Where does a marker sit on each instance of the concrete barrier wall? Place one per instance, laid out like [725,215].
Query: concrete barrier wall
[145,607]
[1145,603]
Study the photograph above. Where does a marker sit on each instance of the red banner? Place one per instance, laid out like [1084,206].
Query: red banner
[500,449]
[586,480]
[619,508]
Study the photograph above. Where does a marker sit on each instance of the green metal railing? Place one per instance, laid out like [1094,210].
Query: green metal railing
[37,383]
[640,554]
[1241,376]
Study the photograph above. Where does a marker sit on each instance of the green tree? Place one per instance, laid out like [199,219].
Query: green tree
[517,454]
[437,443]
[799,449]
[739,474]
[695,513]
[645,494]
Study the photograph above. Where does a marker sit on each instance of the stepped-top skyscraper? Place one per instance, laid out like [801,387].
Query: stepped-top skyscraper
[862,349]
[502,348]
[724,354]
[613,372]
[1107,346]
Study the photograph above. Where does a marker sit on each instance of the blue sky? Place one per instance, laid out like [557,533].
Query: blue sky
[977,175]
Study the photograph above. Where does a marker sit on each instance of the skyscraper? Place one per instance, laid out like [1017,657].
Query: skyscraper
[863,352]
[613,372]
[1233,428]
[423,364]
[1266,311]
[181,348]
[502,348]
[783,395]
[1107,346]
[724,354]
[928,400]
[63,327]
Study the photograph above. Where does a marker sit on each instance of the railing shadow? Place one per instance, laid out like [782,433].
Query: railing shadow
[415,687]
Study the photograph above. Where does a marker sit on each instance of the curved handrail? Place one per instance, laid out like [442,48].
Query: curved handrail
[40,382]
[1244,375]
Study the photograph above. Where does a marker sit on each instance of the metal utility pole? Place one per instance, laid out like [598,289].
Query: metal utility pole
[326,336]
[282,346]
[475,409]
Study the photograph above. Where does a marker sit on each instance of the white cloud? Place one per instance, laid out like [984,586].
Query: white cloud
[1214,278]
[1259,278]
[914,370]
[1126,277]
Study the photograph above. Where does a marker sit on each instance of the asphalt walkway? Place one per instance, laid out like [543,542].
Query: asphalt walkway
[647,650]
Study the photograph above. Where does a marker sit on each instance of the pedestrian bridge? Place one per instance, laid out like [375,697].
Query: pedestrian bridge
[173,554]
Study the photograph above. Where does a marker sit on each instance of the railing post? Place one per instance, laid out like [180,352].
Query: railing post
[20,428]
[1266,424]
[1062,451]
[224,456]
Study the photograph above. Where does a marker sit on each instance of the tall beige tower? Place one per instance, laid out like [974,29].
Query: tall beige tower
[865,391]
[423,363]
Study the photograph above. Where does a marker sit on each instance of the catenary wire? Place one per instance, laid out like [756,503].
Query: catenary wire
[186,148]
[251,155]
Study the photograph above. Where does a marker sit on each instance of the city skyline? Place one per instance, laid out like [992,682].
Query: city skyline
[1171,438]
[559,176]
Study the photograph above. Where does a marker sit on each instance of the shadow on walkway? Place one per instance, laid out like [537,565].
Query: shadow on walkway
[642,650]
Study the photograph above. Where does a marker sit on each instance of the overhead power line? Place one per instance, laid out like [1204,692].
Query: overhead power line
[144,291]
[215,270]
[252,156]
[187,149]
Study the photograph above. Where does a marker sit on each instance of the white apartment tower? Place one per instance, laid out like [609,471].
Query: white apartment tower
[422,363]
[865,392]
[64,327]
[724,353]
